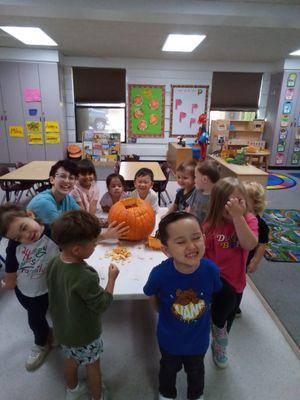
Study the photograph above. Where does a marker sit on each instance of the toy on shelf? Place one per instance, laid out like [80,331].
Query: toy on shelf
[202,135]
[239,159]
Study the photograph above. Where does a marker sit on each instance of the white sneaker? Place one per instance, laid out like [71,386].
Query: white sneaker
[161,397]
[37,357]
[75,394]
[200,398]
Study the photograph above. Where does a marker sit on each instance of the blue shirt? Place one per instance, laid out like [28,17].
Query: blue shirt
[46,208]
[184,306]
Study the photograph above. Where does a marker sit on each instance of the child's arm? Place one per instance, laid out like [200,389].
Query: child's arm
[93,207]
[113,273]
[154,302]
[114,231]
[258,255]
[9,281]
[246,237]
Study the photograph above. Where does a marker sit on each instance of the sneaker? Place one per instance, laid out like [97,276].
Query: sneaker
[37,357]
[238,314]
[200,398]
[219,346]
[161,397]
[75,394]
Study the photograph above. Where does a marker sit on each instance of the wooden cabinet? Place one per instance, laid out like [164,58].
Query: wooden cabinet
[236,134]
[177,154]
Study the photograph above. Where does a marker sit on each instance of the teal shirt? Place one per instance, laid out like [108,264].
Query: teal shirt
[76,302]
[46,208]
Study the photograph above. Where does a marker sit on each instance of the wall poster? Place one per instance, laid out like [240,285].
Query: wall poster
[101,147]
[187,104]
[146,110]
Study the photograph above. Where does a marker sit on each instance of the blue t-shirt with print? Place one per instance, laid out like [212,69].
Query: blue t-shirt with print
[46,208]
[184,305]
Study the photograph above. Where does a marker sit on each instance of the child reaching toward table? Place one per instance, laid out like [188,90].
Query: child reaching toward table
[231,232]
[86,192]
[143,183]
[76,301]
[180,290]
[115,191]
[28,252]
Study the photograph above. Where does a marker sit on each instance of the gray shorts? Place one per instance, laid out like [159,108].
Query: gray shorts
[86,354]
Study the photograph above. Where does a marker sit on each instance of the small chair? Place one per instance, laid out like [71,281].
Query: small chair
[163,185]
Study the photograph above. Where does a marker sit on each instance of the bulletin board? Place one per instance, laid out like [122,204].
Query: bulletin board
[187,103]
[146,111]
[101,148]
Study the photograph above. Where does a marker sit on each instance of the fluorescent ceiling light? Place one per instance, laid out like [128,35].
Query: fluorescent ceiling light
[295,53]
[31,36]
[183,43]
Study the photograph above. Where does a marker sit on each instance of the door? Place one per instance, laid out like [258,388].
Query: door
[4,153]
[13,111]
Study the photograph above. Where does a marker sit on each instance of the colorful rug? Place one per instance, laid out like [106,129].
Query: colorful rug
[280,181]
[284,244]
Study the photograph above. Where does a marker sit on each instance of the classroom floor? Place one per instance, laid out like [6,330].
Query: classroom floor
[262,364]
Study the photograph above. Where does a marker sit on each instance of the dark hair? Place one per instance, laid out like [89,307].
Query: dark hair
[73,227]
[169,219]
[68,165]
[187,166]
[110,177]
[86,166]
[8,212]
[209,168]
[144,172]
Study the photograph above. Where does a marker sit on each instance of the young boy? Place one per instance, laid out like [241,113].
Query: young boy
[77,301]
[185,174]
[180,290]
[143,183]
[206,175]
[28,253]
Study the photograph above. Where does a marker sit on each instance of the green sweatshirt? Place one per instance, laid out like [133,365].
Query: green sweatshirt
[76,302]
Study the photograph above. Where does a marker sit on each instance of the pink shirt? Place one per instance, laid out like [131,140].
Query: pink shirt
[223,248]
[86,196]
[107,201]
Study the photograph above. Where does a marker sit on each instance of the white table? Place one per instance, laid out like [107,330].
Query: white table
[133,272]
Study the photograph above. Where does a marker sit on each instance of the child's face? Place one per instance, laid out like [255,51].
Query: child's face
[143,184]
[25,230]
[63,182]
[185,180]
[236,194]
[185,243]
[86,180]
[115,187]
[200,180]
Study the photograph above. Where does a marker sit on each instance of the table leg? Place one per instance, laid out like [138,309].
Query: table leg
[6,191]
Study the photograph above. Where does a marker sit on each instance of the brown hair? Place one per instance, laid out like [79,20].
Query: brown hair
[209,168]
[187,166]
[256,193]
[8,212]
[73,227]
[220,194]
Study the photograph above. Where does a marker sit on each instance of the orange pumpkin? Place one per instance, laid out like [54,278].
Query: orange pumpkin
[137,214]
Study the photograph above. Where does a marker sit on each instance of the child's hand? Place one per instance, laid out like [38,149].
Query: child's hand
[113,272]
[235,207]
[116,231]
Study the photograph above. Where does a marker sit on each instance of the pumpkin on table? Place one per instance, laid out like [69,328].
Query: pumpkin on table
[138,215]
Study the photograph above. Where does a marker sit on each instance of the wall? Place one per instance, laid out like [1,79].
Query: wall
[160,73]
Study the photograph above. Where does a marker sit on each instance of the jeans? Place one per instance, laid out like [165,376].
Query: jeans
[171,364]
[36,310]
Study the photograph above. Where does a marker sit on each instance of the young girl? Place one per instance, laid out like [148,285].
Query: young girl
[115,191]
[231,232]
[185,174]
[28,252]
[86,192]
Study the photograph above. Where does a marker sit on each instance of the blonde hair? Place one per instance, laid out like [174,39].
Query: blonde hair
[220,194]
[257,194]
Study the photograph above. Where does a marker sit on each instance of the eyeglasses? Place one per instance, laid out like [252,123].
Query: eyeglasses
[70,178]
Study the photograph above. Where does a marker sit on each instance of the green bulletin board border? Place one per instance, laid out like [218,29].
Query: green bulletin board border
[130,106]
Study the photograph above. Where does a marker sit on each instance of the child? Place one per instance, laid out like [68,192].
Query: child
[231,232]
[115,191]
[185,174]
[86,192]
[28,253]
[77,301]
[143,183]
[51,203]
[206,175]
[180,289]
[256,205]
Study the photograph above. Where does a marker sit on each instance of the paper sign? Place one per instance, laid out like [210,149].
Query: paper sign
[35,138]
[16,131]
[52,126]
[291,80]
[34,127]
[32,95]
[289,93]
[52,138]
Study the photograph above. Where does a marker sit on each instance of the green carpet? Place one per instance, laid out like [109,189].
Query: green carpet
[284,242]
